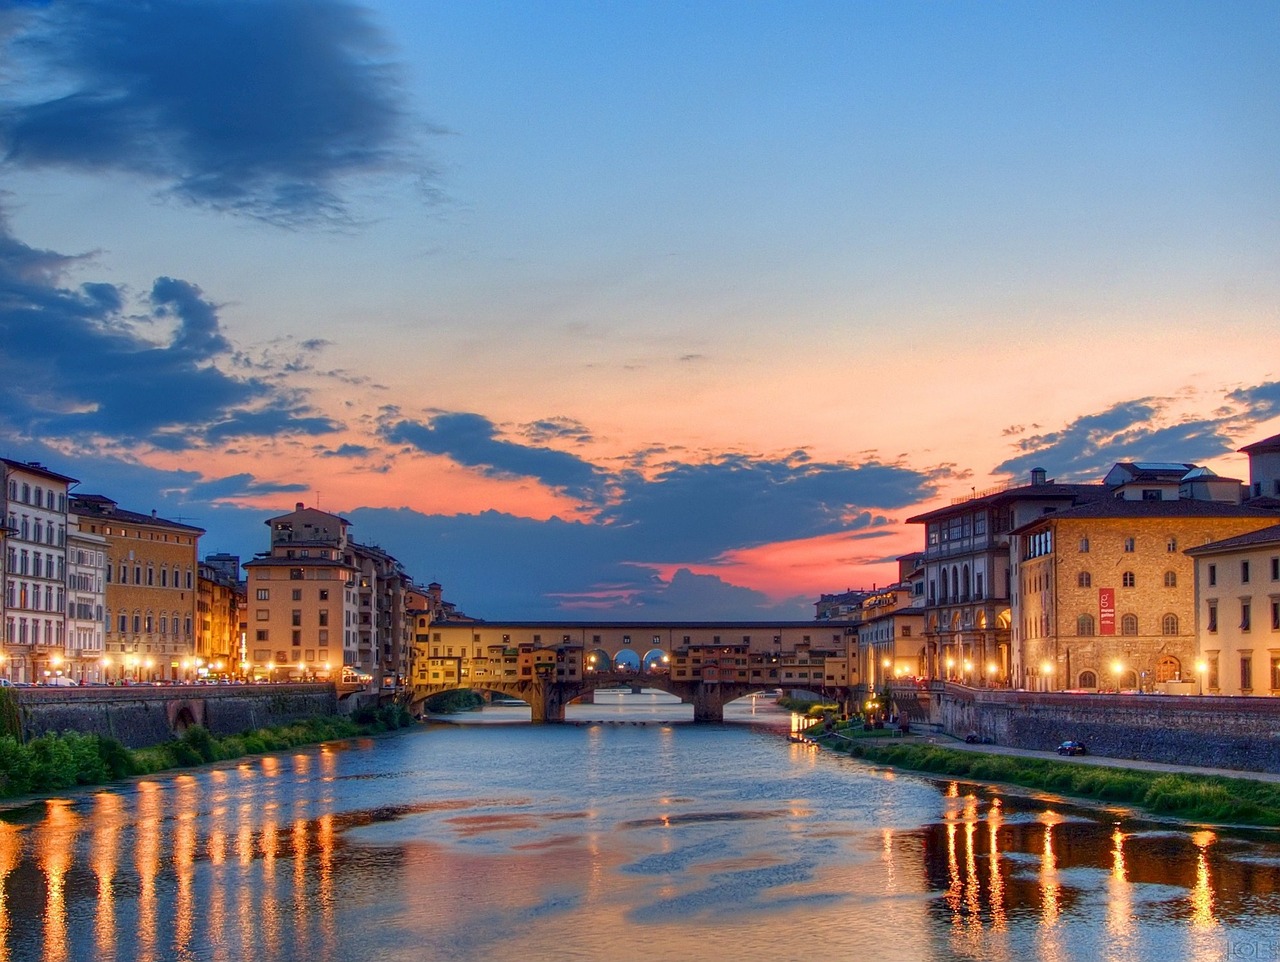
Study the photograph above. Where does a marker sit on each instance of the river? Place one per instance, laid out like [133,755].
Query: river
[618,837]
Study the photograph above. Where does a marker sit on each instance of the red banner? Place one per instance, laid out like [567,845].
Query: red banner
[1106,611]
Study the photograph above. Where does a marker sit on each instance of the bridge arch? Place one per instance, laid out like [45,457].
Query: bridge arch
[655,659]
[597,659]
[626,660]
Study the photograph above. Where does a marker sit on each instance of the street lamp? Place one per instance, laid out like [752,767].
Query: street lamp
[1046,669]
[951,664]
[1117,669]
[1202,669]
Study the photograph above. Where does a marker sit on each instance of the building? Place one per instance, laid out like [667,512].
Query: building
[86,603]
[1237,599]
[967,580]
[218,607]
[35,602]
[1264,467]
[151,592]
[1103,593]
[890,641]
[301,600]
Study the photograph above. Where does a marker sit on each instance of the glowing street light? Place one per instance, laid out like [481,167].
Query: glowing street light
[1202,669]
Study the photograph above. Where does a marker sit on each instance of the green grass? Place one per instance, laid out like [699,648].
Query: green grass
[1206,798]
[55,762]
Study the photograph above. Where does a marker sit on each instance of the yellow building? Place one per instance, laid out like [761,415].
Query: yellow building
[217,624]
[151,590]
[1103,593]
[1238,614]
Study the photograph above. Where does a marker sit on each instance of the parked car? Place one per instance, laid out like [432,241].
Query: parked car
[1072,748]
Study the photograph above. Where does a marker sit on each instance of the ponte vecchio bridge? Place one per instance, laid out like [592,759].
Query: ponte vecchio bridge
[706,664]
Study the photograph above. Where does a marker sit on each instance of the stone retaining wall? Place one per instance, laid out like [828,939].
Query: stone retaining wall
[141,715]
[1215,731]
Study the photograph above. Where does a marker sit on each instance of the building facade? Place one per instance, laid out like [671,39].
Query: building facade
[1104,592]
[151,592]
[35,593]
[1237,591]
[967,575]
[86,603]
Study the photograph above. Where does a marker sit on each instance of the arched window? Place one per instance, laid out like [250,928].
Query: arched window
[1129,624]
[1169,625]
[1088,679]
[1171,579]
[1084,626]
[1084,580]
[1128,580]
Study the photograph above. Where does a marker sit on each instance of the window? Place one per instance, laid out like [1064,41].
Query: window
[1275,569]
[1129,625]
[1213,616]
[1171,545]
[1084,580]
[124,623]
[297,594]
[324,617]
[1150,494]
[1246,615]
[1169,624]
[1213,574]
[1275,672]
[1171,579]
[1275,616]
[1088,679]
[264,594]
[263,614]
[1084,545]
[1128,580]
[1084,626]
[151,576]
[1129,545]
[1244,572]
[297,638]
[260,634]
[324,594]
[1213,672]
[1246,672]
[295,574]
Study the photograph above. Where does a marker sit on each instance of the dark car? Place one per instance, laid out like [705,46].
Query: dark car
[1072,748]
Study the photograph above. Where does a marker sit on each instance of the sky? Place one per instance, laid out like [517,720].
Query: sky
[651,310]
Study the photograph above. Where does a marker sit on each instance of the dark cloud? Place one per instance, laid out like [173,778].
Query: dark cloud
[694,512]
[471,440]
[348,451]
[557,429]
[1261,401]
[76,365]
[239,486]
[497,565]
[1088,446]
[259,107]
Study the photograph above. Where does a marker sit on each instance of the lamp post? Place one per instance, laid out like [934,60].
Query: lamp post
[1117,669]
[1202,668]
[1046,670]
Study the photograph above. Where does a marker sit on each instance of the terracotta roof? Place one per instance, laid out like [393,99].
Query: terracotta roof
[1123,508]
[1049,490]
[1264,446]
[98,506]
[35,467]
[1267,535]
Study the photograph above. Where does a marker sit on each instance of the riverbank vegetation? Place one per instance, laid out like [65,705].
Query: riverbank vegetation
[1207,798]
[55,762]
[810,708]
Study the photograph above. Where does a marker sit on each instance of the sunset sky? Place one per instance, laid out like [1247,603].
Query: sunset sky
[631,310]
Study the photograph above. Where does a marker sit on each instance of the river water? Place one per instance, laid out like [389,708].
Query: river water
[618,837]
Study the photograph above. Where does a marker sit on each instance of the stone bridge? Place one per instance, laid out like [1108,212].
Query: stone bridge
[547,695]
[140,715]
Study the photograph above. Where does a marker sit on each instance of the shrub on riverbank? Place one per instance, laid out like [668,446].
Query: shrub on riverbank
[54,762]
[811,708]
[1198,797]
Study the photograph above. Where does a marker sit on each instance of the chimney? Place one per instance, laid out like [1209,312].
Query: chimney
[1037,476]
[298,506]
[153,513]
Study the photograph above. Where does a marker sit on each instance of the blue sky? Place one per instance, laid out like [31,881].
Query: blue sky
[649,308]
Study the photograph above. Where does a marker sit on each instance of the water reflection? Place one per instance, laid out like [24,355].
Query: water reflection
[609,842]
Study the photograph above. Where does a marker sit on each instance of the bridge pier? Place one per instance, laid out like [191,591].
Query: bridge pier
[708,703]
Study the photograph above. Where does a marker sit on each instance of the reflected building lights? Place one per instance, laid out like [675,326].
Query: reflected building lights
[1202,900]
[995,815]
[108,813]
[146,860]
[11,847]
[55,843]
[186,808]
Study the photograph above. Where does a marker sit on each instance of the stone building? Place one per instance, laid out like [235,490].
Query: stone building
[86,602]
[218,610]
[967,601]
[1103,596]
[1237,597]
[1264,467]
[151,590]
[890,641]
[35,594]
[300,598]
